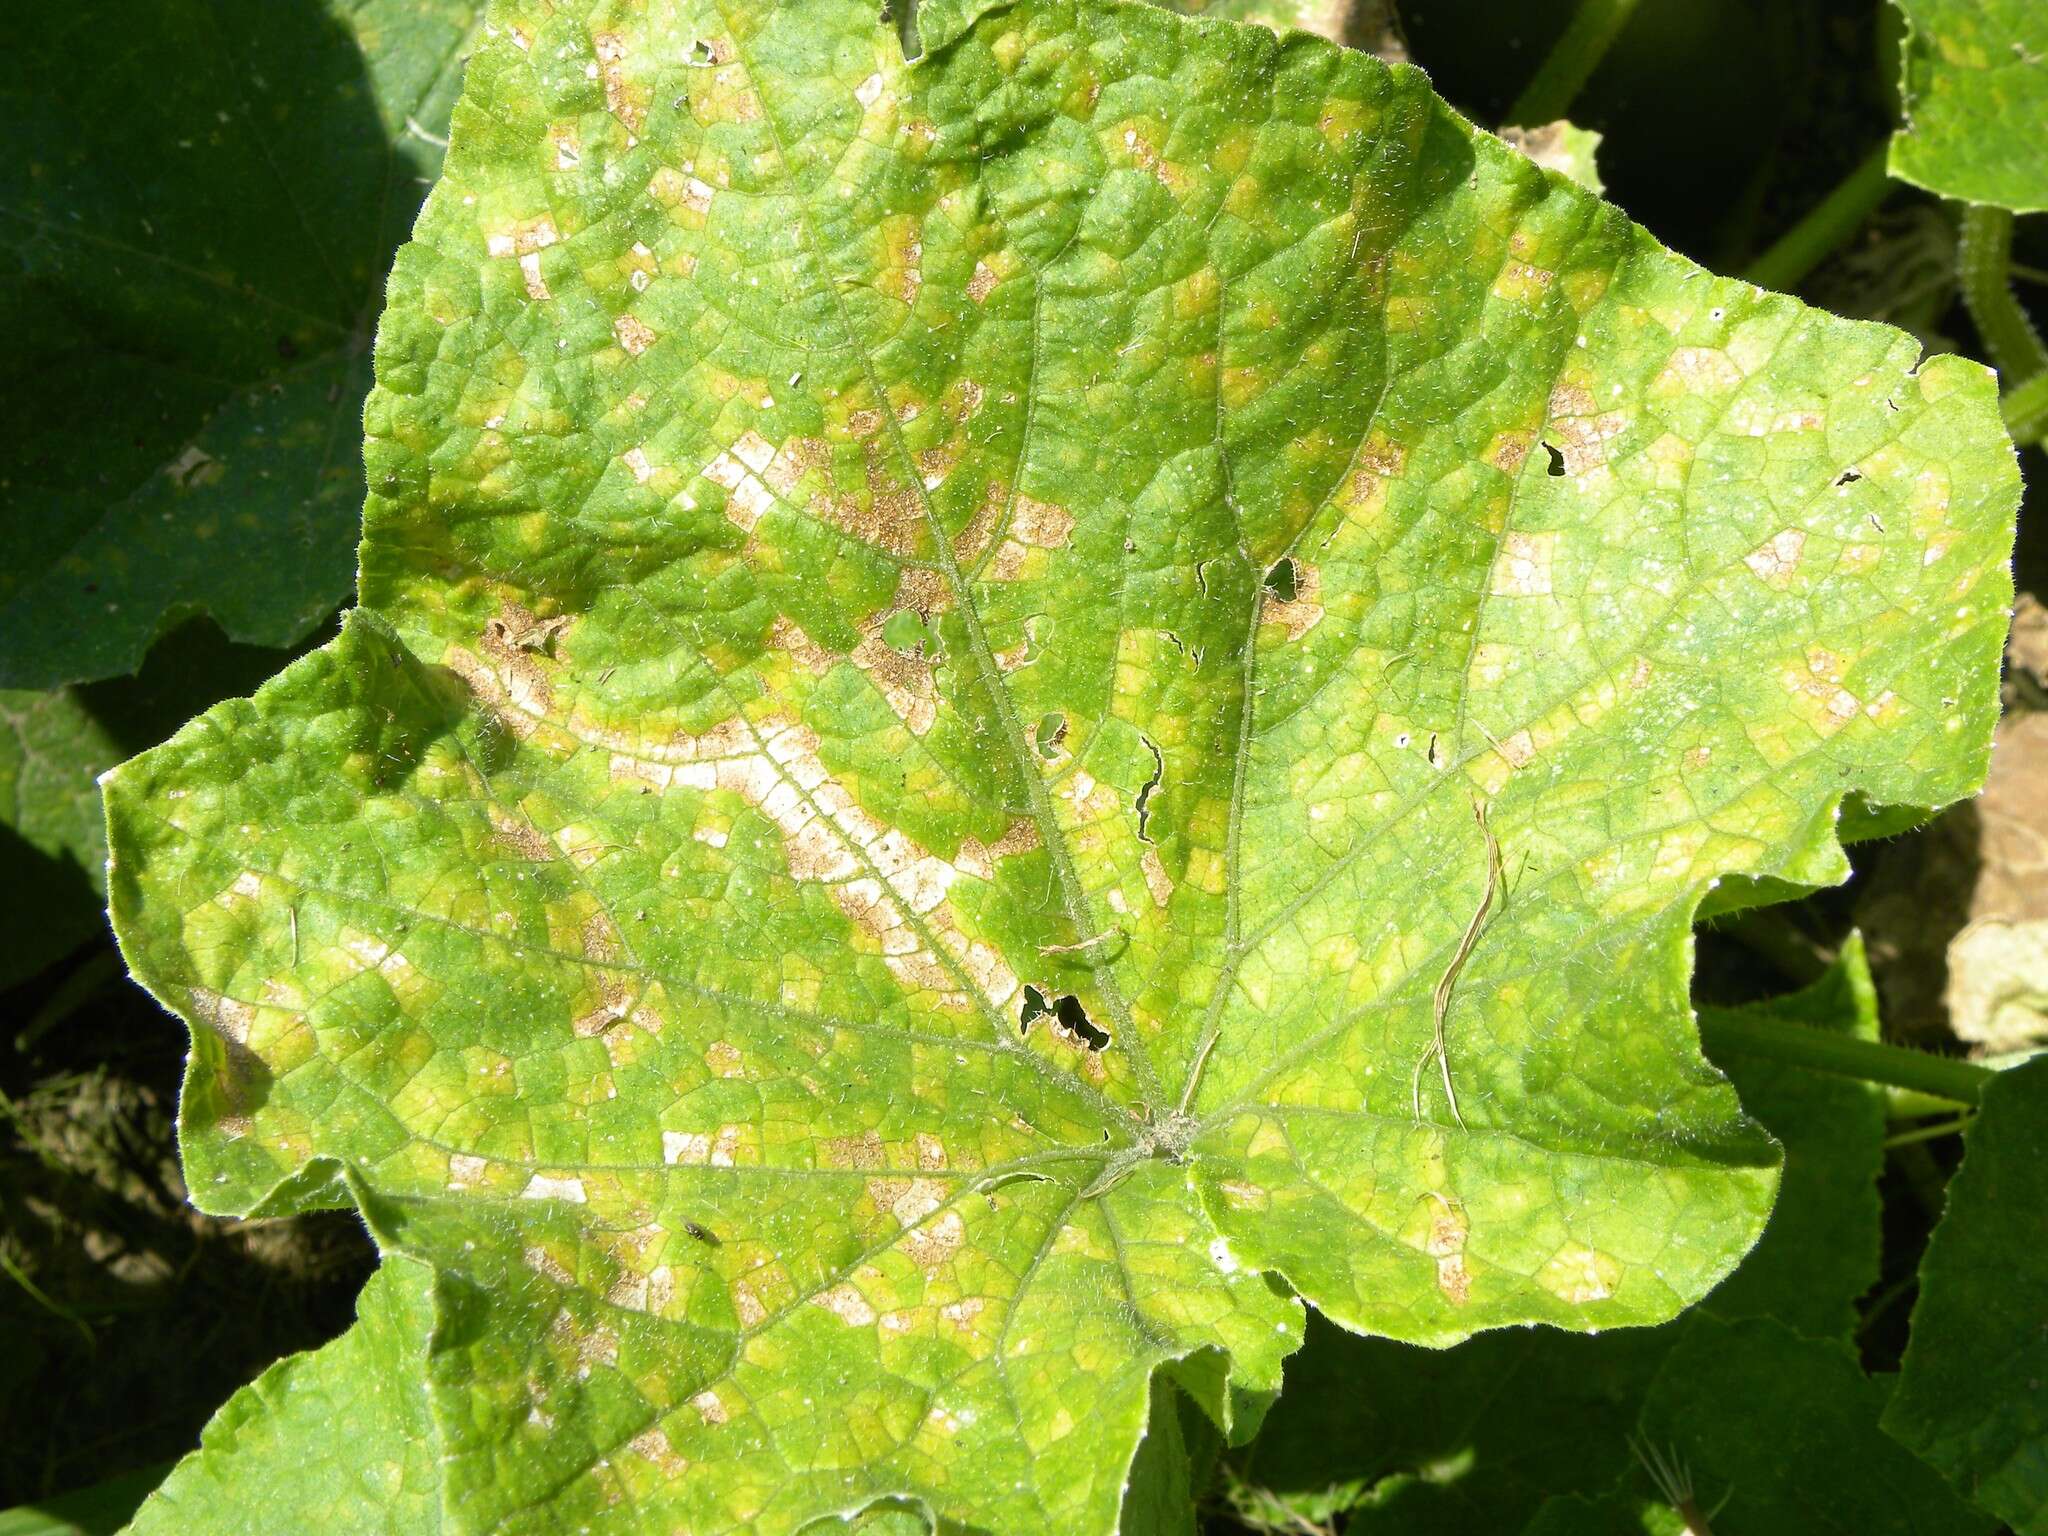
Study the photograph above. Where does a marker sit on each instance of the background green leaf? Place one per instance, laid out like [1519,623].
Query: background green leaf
[1805,1453]
[853,1065]
[1970,1396]
[53,844]
[1974,95]
[197,215]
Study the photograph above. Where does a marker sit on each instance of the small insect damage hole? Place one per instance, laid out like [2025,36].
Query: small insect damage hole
[1067,1015]
[702,54]
[1284,580]
[1556,467]
[1050,732]
[1144,804]
[906,633]
[1847,477]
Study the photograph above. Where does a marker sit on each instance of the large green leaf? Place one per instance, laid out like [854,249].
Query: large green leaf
[878,864]
[1971,1395]
[197,211]
[1974,94]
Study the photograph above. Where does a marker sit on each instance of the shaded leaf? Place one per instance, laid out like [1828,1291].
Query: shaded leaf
[1159,1499]
[197,215]
[53,846]
[1971,1393]
[851,1070]
[1615,1514]
[1779,1434]
[1973,91]
[1820,1253]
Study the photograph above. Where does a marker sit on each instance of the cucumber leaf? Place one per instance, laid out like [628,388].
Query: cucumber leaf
[1406,1439]
[54,745]
[53,846]
[1970,1396]
[197,214]
[1973,91]
[1804,1452]
[1356,583]
[336,1439]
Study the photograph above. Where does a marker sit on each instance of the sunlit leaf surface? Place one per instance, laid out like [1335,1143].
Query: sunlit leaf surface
[1974,93]
[964,664]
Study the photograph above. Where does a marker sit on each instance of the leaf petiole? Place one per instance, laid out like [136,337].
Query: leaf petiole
[1930,1132]
[1825,228]
[1870,1061]
[1570,62]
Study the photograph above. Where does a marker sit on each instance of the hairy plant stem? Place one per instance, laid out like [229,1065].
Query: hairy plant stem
[2025,409]
[1797,1045]
[1984,265]
[1984,268]
[1550,93]
[1826,228]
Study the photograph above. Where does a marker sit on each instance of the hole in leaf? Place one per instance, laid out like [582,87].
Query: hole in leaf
[1052,730]
[1556,458]
[1035,1007]
[1283,580]
[906,632]
[1847,477]
[1151,785]
[701,53]
[1067,1014]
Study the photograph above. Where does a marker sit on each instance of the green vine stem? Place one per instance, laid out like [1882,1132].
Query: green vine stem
[1826,227]
[1549,95]
[1797,1045]
[1983,265]
[1934,1132]
[2026,410]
